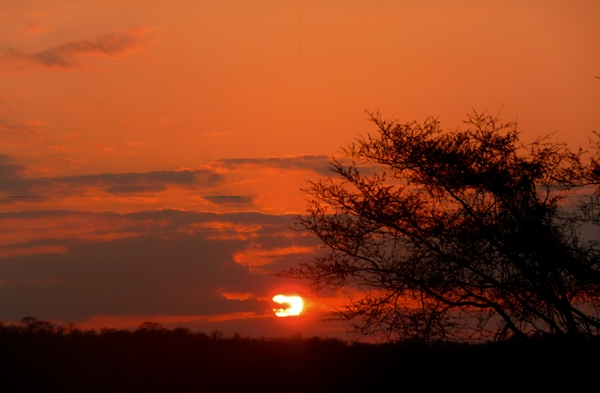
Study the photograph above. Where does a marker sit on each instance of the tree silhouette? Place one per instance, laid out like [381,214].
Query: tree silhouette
[33,325]
[469,233]
[183,361]
[150,327]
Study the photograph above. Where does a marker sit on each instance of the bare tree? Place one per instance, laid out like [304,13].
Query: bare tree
[150,327]
[469,233]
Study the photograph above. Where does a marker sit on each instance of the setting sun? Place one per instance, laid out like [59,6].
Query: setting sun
[295,305]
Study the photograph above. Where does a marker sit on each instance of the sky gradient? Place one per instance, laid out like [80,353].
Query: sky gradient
[152,154]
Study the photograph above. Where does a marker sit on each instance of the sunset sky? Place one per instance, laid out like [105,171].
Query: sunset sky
[152,153]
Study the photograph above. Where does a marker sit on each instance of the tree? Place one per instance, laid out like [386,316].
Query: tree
[33,325]
[151,327]
[468,233]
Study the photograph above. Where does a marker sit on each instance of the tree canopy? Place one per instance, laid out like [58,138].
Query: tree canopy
[459,234]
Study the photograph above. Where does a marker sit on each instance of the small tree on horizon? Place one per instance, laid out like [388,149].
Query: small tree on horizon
[459,234]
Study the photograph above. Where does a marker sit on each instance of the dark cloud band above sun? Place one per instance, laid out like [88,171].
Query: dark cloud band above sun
[212,183]
[19,134]
[229,199]
[14,181]
[74,265]
[315,163]
[319,164]
[270,185]
[69,54]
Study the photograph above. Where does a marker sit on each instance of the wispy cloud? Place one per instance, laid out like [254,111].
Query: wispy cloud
[229,199]
[70,54]
[14,181]
[21,133]
[269,185]
[257,258]
[30,249]
[316,163]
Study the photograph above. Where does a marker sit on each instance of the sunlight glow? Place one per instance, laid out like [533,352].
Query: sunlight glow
[295,305]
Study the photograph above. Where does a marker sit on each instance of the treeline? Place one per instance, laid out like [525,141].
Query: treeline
[36,355]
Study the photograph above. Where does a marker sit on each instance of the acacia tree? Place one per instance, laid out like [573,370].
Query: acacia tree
[469,232]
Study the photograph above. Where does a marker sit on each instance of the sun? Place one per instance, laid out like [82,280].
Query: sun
[295,305]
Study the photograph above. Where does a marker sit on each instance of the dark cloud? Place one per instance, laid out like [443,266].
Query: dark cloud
[19,134]
[178,263]
[68,54]
[315,163]
[229,199]
[13,181]
[16,183]
[141,275]
[52,214]
[9,169]
[179,218]
[181,178]
[11,175]
[134,189]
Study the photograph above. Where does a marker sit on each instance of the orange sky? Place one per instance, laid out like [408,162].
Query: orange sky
[125,125]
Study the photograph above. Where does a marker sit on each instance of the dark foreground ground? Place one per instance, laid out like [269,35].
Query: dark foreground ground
[39,357]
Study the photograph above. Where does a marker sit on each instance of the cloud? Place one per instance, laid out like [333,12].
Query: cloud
[319,164]
[270,185]
[315,163]
[138,188]
[224,230]
[11,174]
[14,182]
[31,249]
[8,169]
[257,257]
[74,265]
[154,178]
[21,133]
[229,199]
[69,54]
[237,295]
[174,267]
[58,226]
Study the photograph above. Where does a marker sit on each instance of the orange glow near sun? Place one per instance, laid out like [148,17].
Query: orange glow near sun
[295,305]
